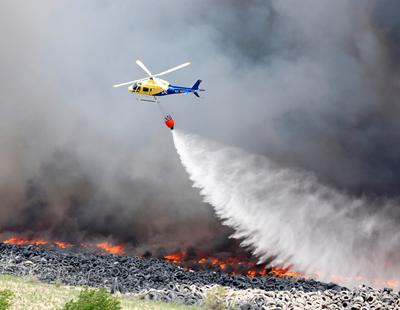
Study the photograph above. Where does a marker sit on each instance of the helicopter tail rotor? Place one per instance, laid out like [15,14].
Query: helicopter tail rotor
[196,89]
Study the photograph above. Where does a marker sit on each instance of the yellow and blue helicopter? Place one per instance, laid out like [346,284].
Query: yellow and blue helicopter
[154,87]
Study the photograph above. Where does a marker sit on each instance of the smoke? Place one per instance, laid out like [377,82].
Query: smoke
[80,160]
[312,87]
[289,215]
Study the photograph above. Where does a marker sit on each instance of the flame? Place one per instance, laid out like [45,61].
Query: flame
[392,283]
[110,248]
[107,247]
[175,258]
[21,241]
[231,265]
[104,246]
[251,273]
[285,272]
[63,245]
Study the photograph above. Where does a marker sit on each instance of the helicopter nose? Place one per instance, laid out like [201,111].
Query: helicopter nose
[130,88]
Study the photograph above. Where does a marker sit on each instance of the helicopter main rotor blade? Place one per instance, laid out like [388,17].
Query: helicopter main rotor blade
[141,65]
[158,82]
[173,69]
[127,83]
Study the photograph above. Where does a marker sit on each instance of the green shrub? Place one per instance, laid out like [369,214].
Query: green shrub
[5,299]
[92,299]
[214,298]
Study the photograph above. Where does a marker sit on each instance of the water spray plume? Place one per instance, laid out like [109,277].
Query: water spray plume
[289,215]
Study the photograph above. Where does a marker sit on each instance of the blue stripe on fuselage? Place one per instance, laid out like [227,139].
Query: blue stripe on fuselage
[174,90]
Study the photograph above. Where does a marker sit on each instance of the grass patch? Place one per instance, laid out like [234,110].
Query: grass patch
[29,293]
[5,299]
[215,298]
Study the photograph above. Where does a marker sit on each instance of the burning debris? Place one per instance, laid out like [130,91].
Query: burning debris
[113,249]
[189,260]
[103,246]
[158,279]
[227,263]
[231,265]
[132,273]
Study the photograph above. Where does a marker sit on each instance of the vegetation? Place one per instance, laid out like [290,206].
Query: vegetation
[215,298]
[29,293]
[5,299]
[92,299]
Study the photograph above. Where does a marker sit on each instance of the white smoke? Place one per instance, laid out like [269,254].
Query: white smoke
[288,214]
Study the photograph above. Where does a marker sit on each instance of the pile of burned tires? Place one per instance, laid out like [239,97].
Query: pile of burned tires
[158,279]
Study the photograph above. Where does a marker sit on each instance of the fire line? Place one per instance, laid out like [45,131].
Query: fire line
[229,265]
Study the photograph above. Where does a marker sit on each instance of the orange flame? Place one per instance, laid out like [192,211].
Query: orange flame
[110,248]
[285,272]
[175,258]
[63,245]
[21,241]
[105,246]
[231,265]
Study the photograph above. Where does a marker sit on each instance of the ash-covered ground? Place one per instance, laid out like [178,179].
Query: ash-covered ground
[157,279]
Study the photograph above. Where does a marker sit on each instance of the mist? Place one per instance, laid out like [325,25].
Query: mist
[288,218]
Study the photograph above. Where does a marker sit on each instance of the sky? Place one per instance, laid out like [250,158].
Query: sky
[313,87]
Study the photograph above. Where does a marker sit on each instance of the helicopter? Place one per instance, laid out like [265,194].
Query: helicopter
[152,86]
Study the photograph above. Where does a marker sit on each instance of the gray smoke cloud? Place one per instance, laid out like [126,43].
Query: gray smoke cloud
[79,159]
[323,81]
[312,86]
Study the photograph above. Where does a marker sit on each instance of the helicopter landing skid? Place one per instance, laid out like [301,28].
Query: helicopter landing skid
[156,100]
